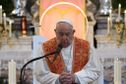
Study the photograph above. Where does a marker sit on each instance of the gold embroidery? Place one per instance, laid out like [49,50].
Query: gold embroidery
[80,55]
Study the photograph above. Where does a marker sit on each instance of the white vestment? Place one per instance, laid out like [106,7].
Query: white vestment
[90,72]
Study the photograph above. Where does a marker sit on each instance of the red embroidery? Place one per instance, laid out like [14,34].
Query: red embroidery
[80,55]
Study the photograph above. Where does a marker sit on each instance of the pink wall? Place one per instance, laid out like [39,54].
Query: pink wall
[59,12]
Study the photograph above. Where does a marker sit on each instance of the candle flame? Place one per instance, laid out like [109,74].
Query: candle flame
[119,5]
[124,11]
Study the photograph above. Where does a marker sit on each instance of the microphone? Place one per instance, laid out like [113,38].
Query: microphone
[58,50]
[41,57]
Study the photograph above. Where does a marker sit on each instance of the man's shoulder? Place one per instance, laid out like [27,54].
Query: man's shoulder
[50,41]
[81,40]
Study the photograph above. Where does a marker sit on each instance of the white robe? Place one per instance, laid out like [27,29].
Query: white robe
[89,73]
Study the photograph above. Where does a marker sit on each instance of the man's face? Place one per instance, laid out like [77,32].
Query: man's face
[64,34]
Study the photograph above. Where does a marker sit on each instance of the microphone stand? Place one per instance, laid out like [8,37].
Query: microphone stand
[21,75]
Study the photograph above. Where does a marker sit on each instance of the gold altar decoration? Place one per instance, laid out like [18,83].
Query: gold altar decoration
[119,28]
[117,33]
[24,26]
[4,36]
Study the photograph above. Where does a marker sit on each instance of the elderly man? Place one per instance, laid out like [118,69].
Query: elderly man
[74,65]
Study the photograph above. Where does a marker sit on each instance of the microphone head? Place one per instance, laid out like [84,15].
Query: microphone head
[59,48]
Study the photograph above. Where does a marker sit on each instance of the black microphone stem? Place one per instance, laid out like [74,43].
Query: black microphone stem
[21,75]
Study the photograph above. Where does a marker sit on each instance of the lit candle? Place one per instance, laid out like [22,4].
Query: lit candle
[23,25]
[108,26]
[4,20]
[0,14]
[12,72]
[117,71]
[125,18]
[10,28]
[119,11]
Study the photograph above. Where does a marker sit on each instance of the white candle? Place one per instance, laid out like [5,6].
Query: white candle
[0,14]
[108,26]
[10,28]
[110,15]
[125,18]
[111,4]
[117,71]
[4,20]
[119,11]
[12,72]
[0,67]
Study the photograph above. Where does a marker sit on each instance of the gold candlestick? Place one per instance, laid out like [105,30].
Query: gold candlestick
[119,31]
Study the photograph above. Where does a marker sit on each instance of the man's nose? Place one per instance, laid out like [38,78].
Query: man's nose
[64,36]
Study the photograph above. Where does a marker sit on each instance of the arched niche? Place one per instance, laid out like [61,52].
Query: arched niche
[63,10]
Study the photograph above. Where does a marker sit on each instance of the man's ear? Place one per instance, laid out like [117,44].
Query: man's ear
[55,30]
[73,31]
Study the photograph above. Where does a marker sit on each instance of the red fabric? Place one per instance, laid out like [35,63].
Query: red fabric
[80,55]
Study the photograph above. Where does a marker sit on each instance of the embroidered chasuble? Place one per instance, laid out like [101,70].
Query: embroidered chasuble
[80,55]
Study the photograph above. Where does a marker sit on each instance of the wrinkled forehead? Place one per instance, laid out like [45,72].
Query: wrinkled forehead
[64,27]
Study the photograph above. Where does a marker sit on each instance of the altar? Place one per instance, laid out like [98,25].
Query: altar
[19,50]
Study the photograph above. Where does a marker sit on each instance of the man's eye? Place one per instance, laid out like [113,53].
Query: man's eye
[67,34]
[61,34]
